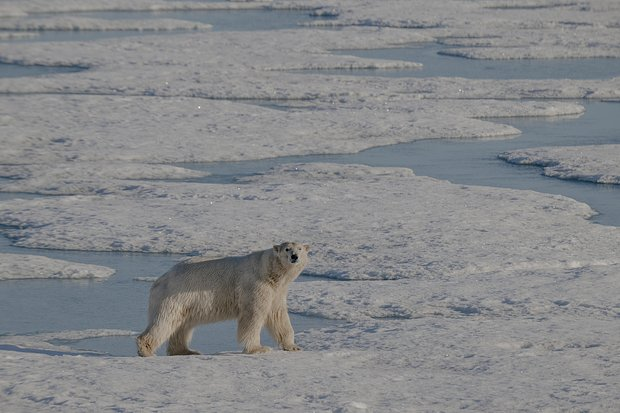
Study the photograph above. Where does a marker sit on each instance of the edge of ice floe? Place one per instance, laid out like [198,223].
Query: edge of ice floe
[23,267]
[578,163]
[55,343]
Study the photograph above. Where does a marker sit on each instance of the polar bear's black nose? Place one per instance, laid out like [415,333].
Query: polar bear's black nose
[294,258]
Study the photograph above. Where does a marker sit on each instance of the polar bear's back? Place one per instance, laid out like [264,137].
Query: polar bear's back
[202,273]
[209,288]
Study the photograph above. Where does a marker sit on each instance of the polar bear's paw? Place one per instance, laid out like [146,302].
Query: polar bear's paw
[183,352]
[257,350]
[291,347]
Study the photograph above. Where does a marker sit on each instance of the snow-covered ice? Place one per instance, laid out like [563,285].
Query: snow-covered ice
[384,224]
[447,297]
[498,29]
[258,65]
[556,360]
[56,343]
[32,7]
[592,163]
[62,23]
[23,266]
[88,177]
[158,130]
[51,149]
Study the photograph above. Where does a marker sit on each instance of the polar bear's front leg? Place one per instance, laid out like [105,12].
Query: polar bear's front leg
[248,334]
[279,325]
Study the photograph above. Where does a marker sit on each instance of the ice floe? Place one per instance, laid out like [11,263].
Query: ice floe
[85,177]
[592,163]
[498,29]
[56,343]
[257,65]
[29,7]
[96,144]
[23,266]
[72,23]
[365,223]
[386,365]
[453,294]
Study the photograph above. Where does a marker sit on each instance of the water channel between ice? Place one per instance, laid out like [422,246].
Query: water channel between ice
[120,302]
[30,306]
[220,20]
[475,162]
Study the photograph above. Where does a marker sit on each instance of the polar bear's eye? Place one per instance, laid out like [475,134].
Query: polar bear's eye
[287,249]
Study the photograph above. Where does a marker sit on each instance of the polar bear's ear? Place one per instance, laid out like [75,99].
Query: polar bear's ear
[307,247]
[276,248]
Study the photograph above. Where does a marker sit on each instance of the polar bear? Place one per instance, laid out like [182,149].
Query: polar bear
[250,288]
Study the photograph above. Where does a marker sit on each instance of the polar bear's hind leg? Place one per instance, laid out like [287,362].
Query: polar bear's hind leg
[155,335]
[178,344]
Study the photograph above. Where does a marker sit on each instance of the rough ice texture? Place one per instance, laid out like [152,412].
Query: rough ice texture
[503,30]
[553,348]
[88,177]
[592,163]
[12,35]
[25,7]
[62,23]
[384,224]
[49,343]
[22,266]
[460,293]
[258,65]
[50,149]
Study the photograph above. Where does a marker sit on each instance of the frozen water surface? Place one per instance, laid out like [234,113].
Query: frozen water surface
[437,64]
[81,303]
[589,163]
[228,20]
[476,162]
[119,302]
[492,289]
[89,26]
[13,70]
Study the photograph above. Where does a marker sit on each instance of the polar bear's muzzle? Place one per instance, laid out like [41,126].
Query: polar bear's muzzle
[294,258]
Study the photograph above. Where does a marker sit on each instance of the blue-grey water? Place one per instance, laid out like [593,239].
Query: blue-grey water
[120,302]
[475,162]
[15,70]
[220,20]
[436,64]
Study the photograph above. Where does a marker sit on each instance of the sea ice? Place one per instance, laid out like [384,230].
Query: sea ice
[497,29]
[88,177]
[451,297]
[385,223]
[96,144]
[258,65]
[29,7]
[551,360]
[593,163]
[22,266]
[73,23]
[56,343]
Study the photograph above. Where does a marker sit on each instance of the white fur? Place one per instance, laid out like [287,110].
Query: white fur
[251,289]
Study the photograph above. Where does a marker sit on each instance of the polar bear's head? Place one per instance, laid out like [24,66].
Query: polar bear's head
[292,253]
